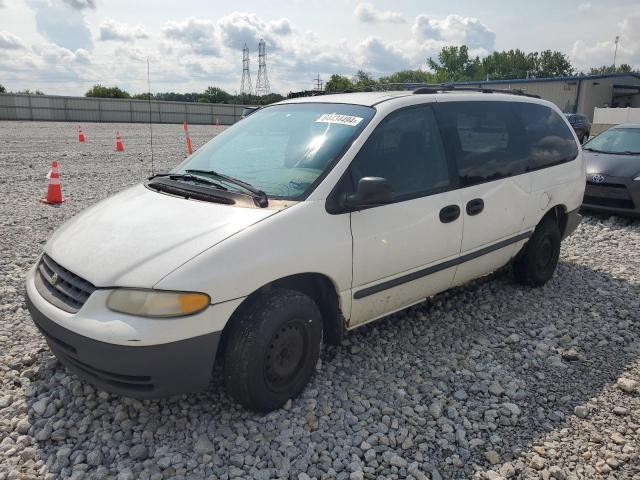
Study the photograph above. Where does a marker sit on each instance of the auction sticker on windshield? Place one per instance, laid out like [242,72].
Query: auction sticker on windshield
[340,119]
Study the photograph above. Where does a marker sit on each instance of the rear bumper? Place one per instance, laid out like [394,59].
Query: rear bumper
[140,372]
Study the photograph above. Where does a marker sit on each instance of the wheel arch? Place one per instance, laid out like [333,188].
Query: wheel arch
[318,286]
[559,214]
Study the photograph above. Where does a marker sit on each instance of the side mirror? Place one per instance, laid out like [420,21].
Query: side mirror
[371,191]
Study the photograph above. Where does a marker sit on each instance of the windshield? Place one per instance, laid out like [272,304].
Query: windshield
[616,140]
[283,149]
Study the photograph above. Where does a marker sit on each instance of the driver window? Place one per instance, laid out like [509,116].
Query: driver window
[406,149]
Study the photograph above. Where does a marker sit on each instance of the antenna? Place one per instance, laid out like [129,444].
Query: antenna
[150,123]
[615,53]
[245,87]
[262,83]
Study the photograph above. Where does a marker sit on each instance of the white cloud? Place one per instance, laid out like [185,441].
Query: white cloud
[62,25]
[600,52]
[121,32]
[200,35]
[382,58]
[584,7]
[280,27]
[367,13]
[8,41]
[455,29]
[239,28]
[81,4]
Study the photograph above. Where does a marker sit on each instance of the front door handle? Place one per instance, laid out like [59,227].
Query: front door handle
[449,213]
[475,206]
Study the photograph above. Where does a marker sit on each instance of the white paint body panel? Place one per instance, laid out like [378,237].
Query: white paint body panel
[134,238]
[393,240]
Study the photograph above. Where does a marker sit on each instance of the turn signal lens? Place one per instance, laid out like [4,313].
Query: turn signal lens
[156,303]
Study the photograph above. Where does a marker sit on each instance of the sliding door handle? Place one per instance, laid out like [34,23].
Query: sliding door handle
[475,206]
[449,213]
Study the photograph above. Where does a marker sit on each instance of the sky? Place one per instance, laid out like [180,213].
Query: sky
[64,47]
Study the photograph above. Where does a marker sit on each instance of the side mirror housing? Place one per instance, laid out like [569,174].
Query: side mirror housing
[371,192]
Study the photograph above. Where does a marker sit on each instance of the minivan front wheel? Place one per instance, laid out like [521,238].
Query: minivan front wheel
[272,349]
[537,262]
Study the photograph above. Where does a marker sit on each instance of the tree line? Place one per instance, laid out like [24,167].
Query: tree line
[210,95]
[455,64]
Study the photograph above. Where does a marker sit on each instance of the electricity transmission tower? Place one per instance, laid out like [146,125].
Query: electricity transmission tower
[245,87]
[262,83]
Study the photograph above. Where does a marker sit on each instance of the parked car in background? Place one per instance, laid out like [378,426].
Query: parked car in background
[308,218]
[613,171]
[580,124]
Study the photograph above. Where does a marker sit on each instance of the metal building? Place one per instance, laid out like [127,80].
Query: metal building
[580,94]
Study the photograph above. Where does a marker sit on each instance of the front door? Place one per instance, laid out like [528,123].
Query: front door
[401,250]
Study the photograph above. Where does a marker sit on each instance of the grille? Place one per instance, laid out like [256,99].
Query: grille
[611,195]
[59,286]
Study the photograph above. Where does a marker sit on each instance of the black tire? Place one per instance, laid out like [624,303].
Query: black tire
[272,350]
[536,263]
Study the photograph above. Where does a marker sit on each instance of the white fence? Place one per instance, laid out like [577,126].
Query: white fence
[615,116]
[82,109]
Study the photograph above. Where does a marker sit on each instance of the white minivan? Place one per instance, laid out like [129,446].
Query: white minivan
[308,218]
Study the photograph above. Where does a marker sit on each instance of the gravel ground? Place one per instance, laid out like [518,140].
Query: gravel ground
[492,380]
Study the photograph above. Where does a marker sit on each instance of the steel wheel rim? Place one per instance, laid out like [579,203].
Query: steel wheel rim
[545,254]
[285,354]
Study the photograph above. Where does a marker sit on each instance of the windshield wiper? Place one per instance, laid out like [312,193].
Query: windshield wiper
[193,178]
[256,193]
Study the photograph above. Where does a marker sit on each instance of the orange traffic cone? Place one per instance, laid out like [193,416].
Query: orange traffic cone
[119,145]
[54,192]
[80,135]
[186,132]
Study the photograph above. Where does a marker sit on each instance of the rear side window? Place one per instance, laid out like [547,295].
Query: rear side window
[550,139]
[405,148]
[486,140]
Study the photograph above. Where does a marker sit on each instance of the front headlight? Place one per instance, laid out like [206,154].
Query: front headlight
[157,303]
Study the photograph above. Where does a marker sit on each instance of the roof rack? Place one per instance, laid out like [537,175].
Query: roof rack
[417,88]
[447,87]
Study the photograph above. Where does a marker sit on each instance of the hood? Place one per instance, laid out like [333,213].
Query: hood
[612,165]
[136,237]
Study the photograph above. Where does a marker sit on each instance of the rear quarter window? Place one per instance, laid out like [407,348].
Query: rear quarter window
[550,140]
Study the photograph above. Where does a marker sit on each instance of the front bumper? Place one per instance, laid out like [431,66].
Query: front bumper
[141,372]
[617,195]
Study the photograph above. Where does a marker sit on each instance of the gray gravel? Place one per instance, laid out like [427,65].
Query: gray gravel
[492,380]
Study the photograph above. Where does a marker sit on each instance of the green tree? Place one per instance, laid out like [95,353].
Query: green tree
[363,79]
[2,89]
[270,98]
[143,96]
[214,95]
[338,83]
[408,76]
[622,68]
[507,65]
[101,91]
[454,64]
[552,64]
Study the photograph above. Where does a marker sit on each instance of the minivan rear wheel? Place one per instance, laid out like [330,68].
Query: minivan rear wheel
[537,262]
[272,349]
